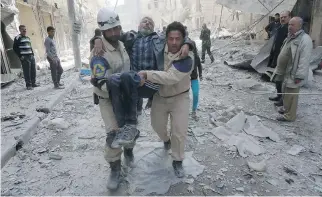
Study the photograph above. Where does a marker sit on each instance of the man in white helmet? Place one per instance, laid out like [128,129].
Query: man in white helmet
[113,59]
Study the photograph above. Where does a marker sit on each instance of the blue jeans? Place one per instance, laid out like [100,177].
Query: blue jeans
[195,93]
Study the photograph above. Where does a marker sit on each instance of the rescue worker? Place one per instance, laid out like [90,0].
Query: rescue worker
[115,60]
[53,59]
[22,47]
[97,34]
[273,26]
[173,96]
[206,44]
[146,51]
[293,64]
[281,34]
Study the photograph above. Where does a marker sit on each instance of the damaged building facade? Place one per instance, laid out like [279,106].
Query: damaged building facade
[37,15]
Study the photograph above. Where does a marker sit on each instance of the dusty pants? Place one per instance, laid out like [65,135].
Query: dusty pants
[290,103]
[106,108]
[203,52]
[178,109]
[56,70]
[29,69]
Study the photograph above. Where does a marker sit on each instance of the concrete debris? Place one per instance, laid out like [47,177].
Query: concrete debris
[295,150]
[86,137]
[289,171]
[240,189]
[258,167]
[272,182]
[42,150]
[255,127]
[55,156]
[191,189]
[220,185]
[289,181]
[189,181]
[58,123]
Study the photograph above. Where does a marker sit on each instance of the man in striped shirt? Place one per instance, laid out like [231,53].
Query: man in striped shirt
[23,49]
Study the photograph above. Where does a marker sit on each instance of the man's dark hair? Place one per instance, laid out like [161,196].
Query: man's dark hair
[49,28]
[98,32]
[21,26]
[277,14]
[176,26]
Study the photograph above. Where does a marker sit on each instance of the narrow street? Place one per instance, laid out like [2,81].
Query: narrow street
[65,156]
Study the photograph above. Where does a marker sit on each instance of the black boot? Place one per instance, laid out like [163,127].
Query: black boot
[279,103]
[167,145]
[115,175]
[57,86]
[276,98]
[178,169]
[128,156]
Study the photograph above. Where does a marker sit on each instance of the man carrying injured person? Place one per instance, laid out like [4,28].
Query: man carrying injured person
[146,49]
[173,97]
[120,90]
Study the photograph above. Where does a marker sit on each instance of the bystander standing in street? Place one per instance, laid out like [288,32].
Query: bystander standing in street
[281,34]
[22,47]
[293,64]
[52,57]
[206,44]
[273,26]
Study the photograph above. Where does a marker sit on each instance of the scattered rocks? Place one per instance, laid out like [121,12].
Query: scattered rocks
[58,123]
[272,182]
[240,189]
[190,189]
[86,137]
[42,150]
[55,156]
[82,147]
[295,150]
[289,181]
[189,181]
[220,185]
[258,167]
[289,171]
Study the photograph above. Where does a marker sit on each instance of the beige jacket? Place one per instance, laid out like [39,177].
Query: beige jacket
[118,60]
[175,79]
[298,67]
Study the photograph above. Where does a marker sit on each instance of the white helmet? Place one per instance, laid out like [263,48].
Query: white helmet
[107,19]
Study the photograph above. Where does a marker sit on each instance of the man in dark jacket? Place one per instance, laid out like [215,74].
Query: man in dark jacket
[273,26]
[206,43]
[23,49]
[280,36]
[97,34]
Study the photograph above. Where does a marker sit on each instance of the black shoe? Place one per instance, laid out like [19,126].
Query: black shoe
[212,60]
[167,145]
[178,169]
[128,156]
[281,111]
[30,88]
[60,84]
[278,103]
[126,136]
[276,98]
[202,61]
[283,119]
[115,175]
[35,85]
[57,86]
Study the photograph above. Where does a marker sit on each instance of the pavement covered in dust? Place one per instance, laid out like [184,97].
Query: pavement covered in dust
[65,156]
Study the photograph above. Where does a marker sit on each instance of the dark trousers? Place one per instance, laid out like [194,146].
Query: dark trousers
[29,69]
[203,52]
[279,85]
[56,70]
[126,94]
[140,104]
[123,92]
